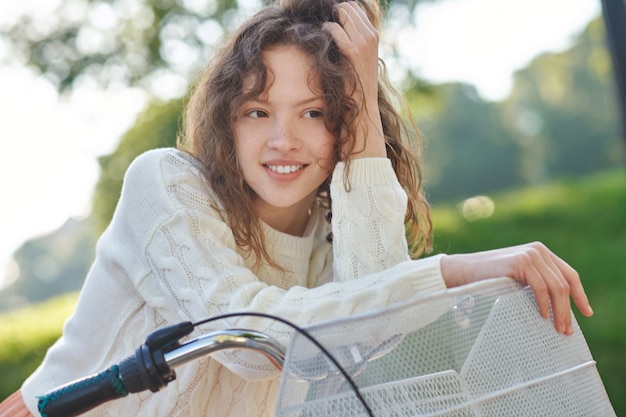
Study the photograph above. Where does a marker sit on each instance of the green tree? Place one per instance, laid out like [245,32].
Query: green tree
[560,120]
[134,42]
[51,265]
[468,149]
[156,127]
[563,110]
[127,42]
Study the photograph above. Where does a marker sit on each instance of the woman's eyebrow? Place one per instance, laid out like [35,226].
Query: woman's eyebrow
[302,102]
[310,100]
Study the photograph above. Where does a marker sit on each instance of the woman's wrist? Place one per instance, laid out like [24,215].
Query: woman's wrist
[452,271]
[371,141]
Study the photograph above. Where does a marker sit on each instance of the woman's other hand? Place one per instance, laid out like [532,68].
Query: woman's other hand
[357,38]
[551,279]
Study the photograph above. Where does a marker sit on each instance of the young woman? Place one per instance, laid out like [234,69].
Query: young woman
[292,121]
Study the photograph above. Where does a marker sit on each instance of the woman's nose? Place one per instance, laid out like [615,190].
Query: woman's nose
[283,136]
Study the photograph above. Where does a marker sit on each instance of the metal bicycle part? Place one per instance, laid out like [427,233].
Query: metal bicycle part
[227,339]
[152,367]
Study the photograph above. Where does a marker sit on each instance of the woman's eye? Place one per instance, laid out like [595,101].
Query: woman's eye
[314,114]
[257,114]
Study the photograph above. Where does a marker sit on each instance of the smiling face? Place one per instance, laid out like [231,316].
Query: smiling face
[283,147]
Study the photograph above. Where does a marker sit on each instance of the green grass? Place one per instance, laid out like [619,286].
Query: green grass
[26,334]
[582,221]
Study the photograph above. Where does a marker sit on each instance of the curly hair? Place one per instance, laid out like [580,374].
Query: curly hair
[210,114]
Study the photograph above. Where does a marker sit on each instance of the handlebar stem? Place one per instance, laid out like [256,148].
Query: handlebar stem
[227,339]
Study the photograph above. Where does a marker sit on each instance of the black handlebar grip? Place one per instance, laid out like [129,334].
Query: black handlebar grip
[132,375]
[82,395]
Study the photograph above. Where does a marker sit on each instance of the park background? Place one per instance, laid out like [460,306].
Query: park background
[539,159]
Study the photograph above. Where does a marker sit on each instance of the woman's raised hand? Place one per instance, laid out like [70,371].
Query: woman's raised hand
[358,39]
[552,280]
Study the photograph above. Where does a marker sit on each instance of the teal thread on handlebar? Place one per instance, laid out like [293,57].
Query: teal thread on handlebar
[118,385]
[109,378]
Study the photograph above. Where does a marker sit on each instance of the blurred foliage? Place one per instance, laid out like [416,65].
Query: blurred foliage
[561,119]
[132,42]
[582,221]
[120,41]
[467,146]
[26,335]
[156,127]
[52,264]
[565,110]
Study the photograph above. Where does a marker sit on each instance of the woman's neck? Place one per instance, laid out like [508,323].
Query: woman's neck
[291,220]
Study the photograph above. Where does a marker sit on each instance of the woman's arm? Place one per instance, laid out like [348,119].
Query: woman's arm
[552,280]
[368,220]
[198,272]
[368,215]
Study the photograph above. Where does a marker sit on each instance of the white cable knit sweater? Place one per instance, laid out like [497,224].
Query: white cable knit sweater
[168,257]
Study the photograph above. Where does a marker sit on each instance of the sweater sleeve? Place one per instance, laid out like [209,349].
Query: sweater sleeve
[368,218]
[197,271]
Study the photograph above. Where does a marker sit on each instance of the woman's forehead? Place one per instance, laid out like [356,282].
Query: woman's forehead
[286,61]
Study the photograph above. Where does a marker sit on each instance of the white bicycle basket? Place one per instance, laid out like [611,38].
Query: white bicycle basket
[478,350]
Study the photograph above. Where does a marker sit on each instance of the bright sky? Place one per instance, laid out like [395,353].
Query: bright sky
[483,41]
[48,167]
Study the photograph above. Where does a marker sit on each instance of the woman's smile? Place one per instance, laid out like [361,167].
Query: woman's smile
[284,169]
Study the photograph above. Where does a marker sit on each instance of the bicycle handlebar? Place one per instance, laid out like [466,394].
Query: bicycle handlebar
[81,396]
[152,367]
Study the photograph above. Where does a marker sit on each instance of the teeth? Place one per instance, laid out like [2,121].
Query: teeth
[285,169]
